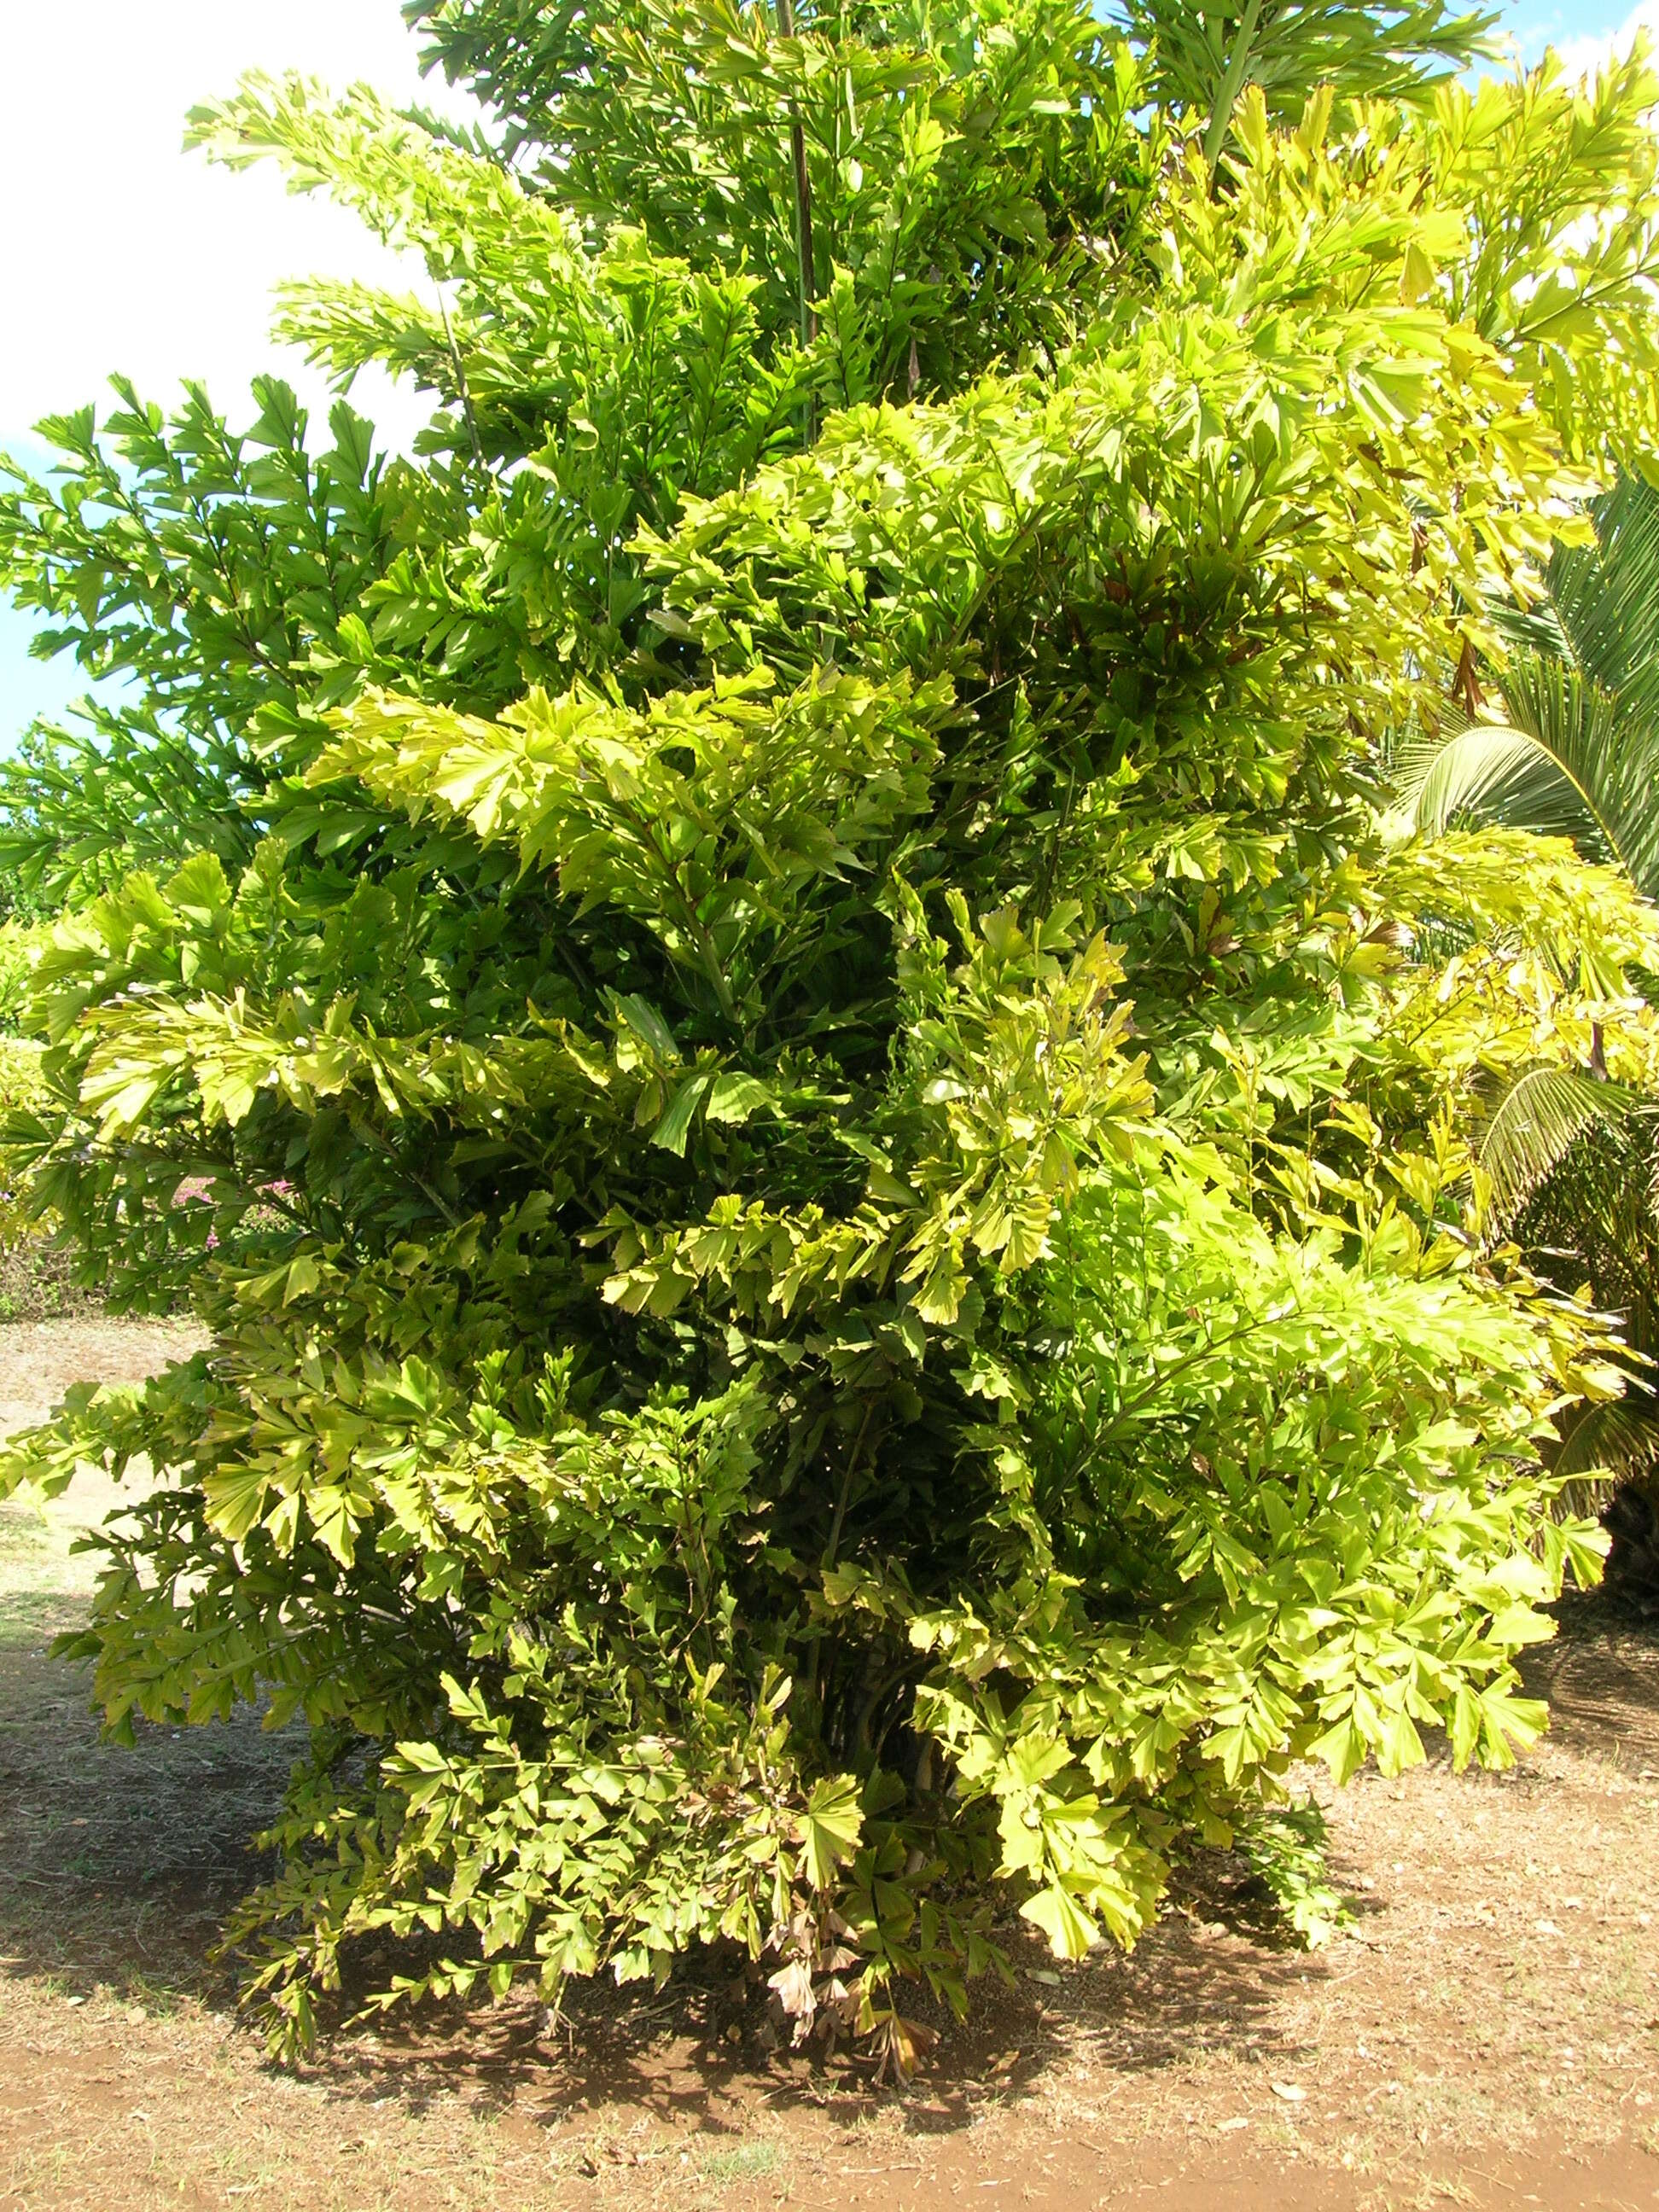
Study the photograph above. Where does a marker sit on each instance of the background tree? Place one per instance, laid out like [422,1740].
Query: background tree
[1204,59]
[837,1154]
[1568,745]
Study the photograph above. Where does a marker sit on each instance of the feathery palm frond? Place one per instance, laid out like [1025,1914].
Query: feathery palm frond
[1534,1127]
[1611,1440]
[1575,751]
[1599,1206]
[1593,1224]
[1568,762]
[1606,743]
[1605,597]
[1575,755]
[1504,774]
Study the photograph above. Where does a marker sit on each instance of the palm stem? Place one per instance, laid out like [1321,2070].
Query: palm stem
[808,286]
[1232,84]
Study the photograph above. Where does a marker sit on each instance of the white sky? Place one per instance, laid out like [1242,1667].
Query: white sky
[120,252]
[1583,46]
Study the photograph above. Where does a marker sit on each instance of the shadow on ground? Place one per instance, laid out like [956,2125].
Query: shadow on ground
[1601,1679]
[117,1868]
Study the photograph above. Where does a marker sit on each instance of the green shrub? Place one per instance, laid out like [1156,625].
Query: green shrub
[38,1276]
[22,1084]
[831,1152]
[21,945]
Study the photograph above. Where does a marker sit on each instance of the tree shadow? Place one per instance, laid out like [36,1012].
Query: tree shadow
[117,1869]
[116,1866]
[1600,1677]
[704,2052]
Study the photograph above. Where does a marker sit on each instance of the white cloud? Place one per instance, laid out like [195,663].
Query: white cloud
[1584,56]
[118,250]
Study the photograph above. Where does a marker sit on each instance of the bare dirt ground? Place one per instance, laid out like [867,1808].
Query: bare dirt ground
[1488,2036]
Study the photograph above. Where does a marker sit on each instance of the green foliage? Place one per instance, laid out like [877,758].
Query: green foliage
[1203,58]
[831,1163]
[219,578]
[20,1081]
[23,1091]
[1574,751]
[1569,745]
[21,945]
[963,173]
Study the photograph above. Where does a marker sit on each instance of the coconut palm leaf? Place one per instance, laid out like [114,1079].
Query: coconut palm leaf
[1600,610]
[1567,761]
[1603,742]
[1611,1440]
[1500,774]
[1574,751]
[1533,1128]
[1605,597]
[1593,1223]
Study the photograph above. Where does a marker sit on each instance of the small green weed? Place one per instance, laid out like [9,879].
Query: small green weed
[746,2161]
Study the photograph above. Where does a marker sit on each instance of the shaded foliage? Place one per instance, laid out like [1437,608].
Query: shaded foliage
[1569,745]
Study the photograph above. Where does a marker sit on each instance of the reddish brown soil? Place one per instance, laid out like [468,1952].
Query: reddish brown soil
[1488,2036]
